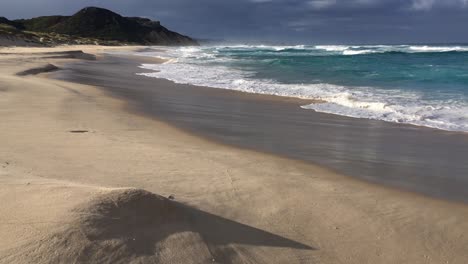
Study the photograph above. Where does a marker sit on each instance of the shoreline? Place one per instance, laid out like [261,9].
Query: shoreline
[303,102]
[243,205]
[300,101]
[368,98]
[403,156]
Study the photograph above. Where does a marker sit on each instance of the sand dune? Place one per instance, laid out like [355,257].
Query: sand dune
[118,226]
[41,69]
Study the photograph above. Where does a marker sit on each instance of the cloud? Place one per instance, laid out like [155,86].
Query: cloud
[426,5]
[419,5]
[305,21]
[260,1]
[321,4]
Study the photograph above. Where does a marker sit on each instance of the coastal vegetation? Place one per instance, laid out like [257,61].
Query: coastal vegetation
[91,25]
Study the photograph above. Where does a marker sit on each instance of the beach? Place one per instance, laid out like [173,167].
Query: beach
[95,169]
[398,155]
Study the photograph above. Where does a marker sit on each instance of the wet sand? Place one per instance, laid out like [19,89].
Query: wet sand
[419,159]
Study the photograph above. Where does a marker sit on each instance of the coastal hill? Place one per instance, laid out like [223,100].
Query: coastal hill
[5,21]
[91,25]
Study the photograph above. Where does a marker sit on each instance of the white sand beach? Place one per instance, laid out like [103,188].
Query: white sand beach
[85,180]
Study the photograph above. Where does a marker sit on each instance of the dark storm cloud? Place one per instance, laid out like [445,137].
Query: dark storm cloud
[314,21]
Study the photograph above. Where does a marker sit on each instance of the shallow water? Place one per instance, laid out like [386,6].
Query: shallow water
[421,85]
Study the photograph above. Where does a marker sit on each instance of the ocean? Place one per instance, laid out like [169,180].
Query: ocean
[423,85]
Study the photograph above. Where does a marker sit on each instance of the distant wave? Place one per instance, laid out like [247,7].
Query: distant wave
[438,49]
[358,52]
[332,47]
[370,49]
[321,50]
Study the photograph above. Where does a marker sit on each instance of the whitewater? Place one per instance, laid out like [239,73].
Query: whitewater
[424,85]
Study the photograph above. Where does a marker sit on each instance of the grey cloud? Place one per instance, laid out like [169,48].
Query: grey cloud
[424,5]
[286,21]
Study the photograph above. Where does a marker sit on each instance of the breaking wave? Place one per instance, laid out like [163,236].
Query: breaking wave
[203,66]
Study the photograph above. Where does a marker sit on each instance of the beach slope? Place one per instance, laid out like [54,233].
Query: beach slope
[85,179]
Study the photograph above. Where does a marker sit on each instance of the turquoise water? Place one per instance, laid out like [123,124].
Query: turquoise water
[443,72]
[421,85]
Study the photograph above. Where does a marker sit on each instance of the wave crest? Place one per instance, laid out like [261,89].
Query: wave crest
[401,106]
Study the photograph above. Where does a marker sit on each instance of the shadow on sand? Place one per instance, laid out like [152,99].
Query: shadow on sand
[134,225]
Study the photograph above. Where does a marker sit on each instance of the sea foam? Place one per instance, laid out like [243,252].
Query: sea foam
[195,66]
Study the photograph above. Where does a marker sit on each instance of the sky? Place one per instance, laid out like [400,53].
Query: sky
[283,21]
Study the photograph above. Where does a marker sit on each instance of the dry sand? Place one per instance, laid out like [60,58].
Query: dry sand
[79,176]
